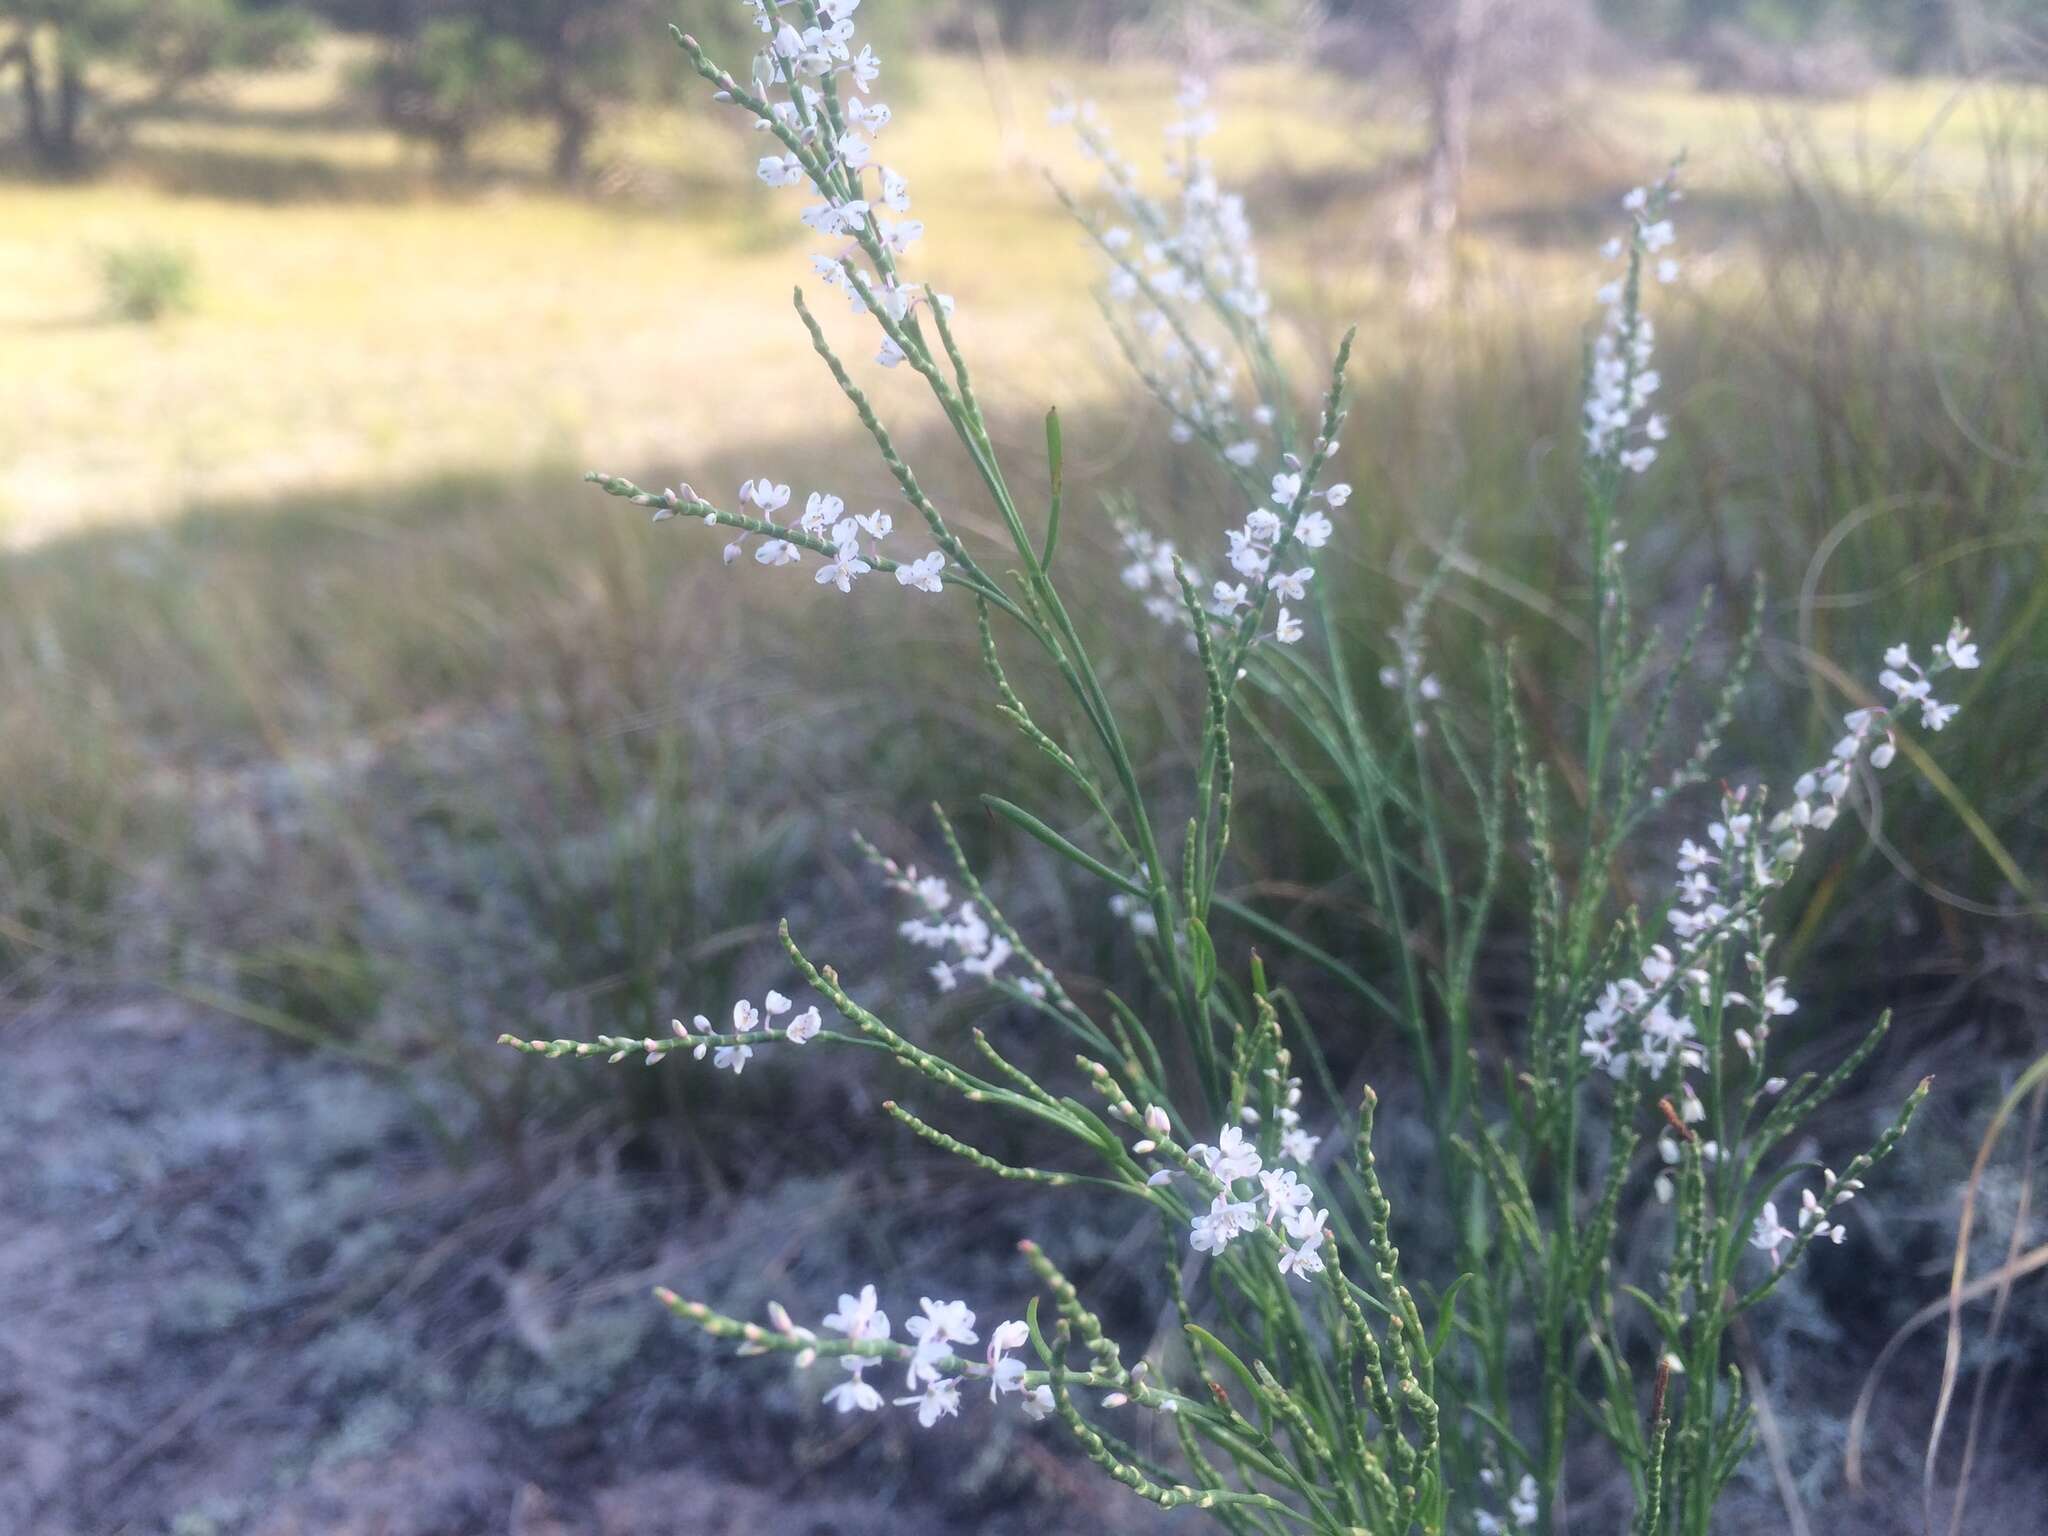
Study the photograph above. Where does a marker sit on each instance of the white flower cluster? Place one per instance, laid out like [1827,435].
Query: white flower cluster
[1912,683]
[792,59]
[733,1049]
[1287,1202]
[1137,912]
[825,519]
[834,150]
[746,1020]
[1647,1023]
[1771,1235]
[1171,264]
[1410,670]
[1174,268]
[1250,551]
[1522,1508]
[967,945]
[1623,381]
[937,1331]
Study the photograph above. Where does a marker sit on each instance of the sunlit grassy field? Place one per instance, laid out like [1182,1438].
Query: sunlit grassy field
[335,711]
[355,322]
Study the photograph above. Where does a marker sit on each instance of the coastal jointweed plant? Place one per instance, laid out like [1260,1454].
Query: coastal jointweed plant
[1319,1384]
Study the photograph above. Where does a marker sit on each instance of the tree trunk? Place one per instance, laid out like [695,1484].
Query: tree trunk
[51,126]
[1450,120]
[574,126]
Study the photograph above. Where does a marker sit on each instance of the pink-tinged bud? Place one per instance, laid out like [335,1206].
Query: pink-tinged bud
[1156,1121]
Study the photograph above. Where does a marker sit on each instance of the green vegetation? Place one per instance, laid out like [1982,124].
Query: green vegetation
[330,701]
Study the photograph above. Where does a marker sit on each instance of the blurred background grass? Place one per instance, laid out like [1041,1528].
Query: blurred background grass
[341,729]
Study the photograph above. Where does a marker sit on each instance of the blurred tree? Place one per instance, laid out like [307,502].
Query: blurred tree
[451,67]
[1457,54]
[454,66]
[449,78]
[58,51]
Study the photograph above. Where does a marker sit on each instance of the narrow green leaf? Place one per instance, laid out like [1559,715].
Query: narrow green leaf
[1055,458]
[1667,1324]
[1222,1351]
[1017,815]
[1202,956]
[1447,1315]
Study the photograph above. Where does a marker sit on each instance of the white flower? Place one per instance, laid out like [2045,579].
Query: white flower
[1287,629]
[1959,648]
[803,1027]
[1305,1223]
[1285,1193]
[1285,488]
[821,511]
[744,1021]
[944,1324]
[895,190]
[1337,494]
[780,170]
[867,68]
[1303,1259]
[1314,530]
[854,151]
[951,1322]
[940,1398]
[1297,1146]
[843,567]
[854,1393]
[1522,1507]
[1243,454]
[1291,585]
[923,572]
[1038,1402]
[859,1317]
[943,977]
[778,552]
[1769,1234]
[1005,1374]
[1232,1157]
[1212,1231]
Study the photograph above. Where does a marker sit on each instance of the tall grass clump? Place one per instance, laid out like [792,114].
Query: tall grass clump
[1615,1168]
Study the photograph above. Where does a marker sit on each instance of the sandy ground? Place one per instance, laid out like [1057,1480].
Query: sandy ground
[225,1307]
